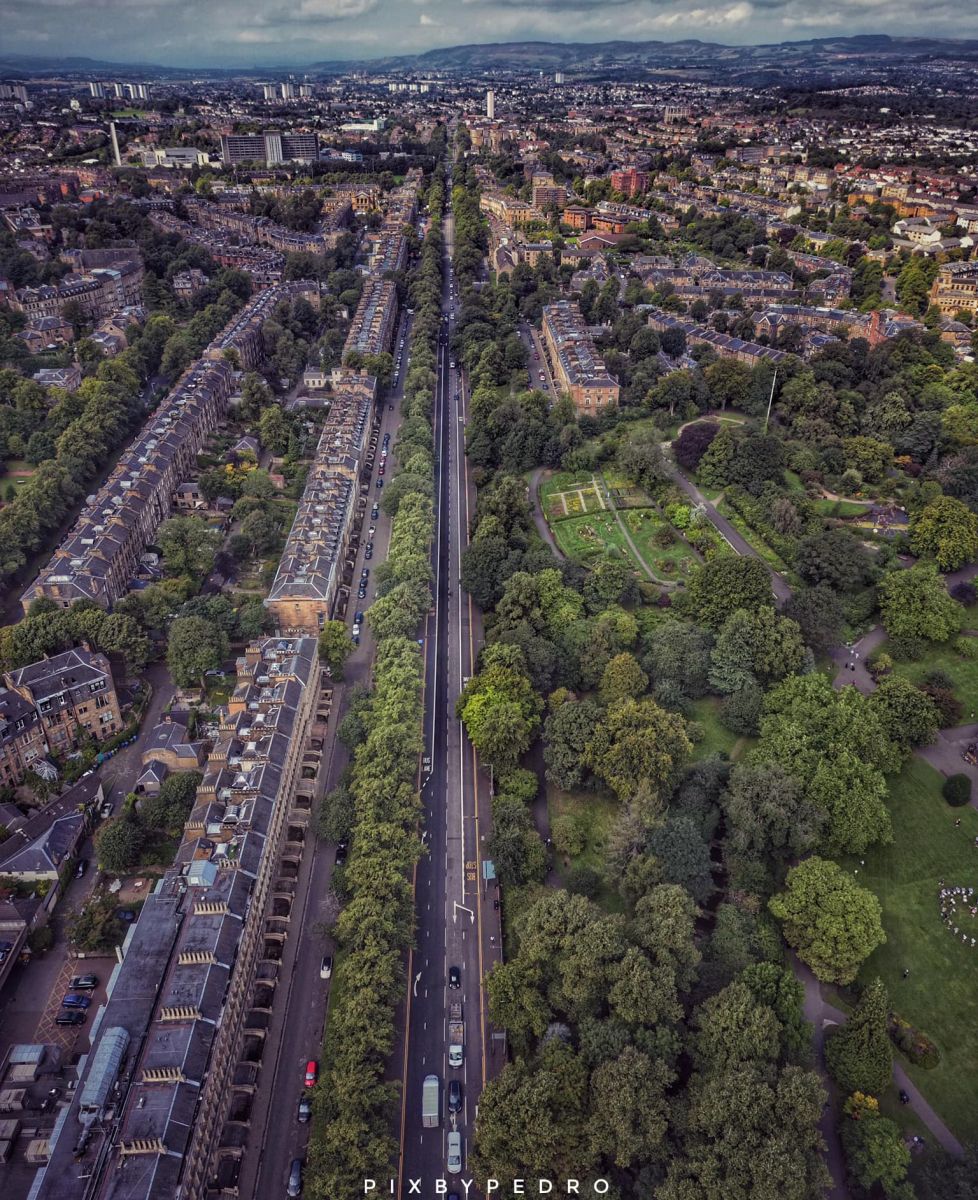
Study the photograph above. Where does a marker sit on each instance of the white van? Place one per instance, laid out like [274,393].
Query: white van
[454,1153]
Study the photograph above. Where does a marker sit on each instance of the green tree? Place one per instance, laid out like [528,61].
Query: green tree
[832,922]
[566,734]
[947,530]
[623,679]
[755,647]
[194,647]
[335,646]
[724,584]
[910,718]
[119,843]
[188,547]
[875,1152]
[638,749]
[914,604]
[859,1054]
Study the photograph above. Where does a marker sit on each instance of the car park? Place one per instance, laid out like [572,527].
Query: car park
[312,1072]
[326,967]
[83,983]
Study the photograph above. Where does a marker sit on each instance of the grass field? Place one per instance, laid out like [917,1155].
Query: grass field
[940,996]
[750,535]
[840,508]
[963,673]
[596,811]
[717,738]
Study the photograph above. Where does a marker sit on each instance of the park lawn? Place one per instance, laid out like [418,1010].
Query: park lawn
[20,467]
[963,672]
[793,482]
[717,738]
[939,996]
[840,508]
[669,562]
[587,538]
[597,811]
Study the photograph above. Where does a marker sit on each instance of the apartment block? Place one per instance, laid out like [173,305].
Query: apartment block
[749,353]
[372,328]
[630,181]
[548,195]
[70,692]
[100,554]
[579,368]
[199,968]
[310,571]
[269,148]
[22,740]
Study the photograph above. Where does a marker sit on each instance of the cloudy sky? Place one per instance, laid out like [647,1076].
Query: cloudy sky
[245,32]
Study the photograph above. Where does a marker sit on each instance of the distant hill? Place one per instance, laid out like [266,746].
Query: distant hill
[836,56]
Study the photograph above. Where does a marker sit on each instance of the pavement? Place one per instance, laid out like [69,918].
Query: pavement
[539,520]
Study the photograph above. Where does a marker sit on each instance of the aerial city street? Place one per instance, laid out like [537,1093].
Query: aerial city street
[489,567]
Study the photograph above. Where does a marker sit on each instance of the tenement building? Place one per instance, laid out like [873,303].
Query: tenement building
[70,692]
[579,368]
[311,569]
[162,1105]
[372,328]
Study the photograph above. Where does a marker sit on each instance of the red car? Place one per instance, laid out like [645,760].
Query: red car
[312,1072]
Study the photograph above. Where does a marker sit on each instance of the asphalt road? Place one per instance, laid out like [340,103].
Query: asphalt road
[299,1013]
[456,922]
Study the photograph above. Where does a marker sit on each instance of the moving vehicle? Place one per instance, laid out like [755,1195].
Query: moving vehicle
[430,1102]
[312,1072]
[83,983]
[454,977]
[454,1096]
[71,1016]
[454,1153]
[305,1110]
[456,1034]
[326,966]
[75,1000]
[295,1178]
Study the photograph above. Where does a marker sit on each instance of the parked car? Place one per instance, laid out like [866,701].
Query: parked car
[369,552]
[295,1179]
[75,1000]
[358,616]
[312,1072]
[71,1016]
[125,914]
[305,1110]
[342,849]
[106,809]
[83,983]
[5,948]
[375,512]
[81,868]
[326,966]
[380,484]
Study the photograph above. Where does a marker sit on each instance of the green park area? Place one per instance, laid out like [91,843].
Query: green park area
[959,668]
[659,545]
[571,494]
[588,538]
[940,995]
[585,819]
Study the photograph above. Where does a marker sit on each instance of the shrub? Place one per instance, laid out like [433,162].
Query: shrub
[964,593]
[880,666]
[908,649]
[583,880]
[914,1043]
[967,647]
[956,790]
[947,704]
[569,834]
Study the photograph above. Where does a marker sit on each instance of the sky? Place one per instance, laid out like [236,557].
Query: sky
[255,32]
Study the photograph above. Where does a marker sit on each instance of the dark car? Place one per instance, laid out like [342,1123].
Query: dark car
[365,573]
[74,1000]
[5,948]
[305,1110]
[374,513]
[71,1017]
[454,977]
[358,617]
[380,484]
[81,868]
[83,983]
[904,1097]
[126,914]
[342,850]
[454,1096]
[369,552]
